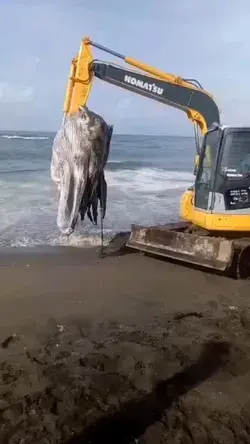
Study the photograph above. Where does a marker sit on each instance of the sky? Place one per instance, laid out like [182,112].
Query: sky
[207,40]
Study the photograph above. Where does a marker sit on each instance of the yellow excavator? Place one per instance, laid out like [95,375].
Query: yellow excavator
[214,222]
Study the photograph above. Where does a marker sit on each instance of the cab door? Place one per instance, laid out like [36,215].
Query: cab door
[205,177]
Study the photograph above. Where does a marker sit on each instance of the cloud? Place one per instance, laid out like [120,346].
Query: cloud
[204,40]
[13,94]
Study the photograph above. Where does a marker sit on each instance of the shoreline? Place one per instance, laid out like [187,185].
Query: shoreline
[59,253]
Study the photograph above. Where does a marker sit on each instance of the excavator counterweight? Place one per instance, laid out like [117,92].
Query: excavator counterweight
[214,231]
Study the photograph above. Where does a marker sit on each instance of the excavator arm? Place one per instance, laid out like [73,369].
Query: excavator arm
[186,95]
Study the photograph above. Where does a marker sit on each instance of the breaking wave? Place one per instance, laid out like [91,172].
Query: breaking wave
[6,136]
[148,180]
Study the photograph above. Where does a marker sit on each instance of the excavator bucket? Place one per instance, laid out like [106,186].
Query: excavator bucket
[172,241]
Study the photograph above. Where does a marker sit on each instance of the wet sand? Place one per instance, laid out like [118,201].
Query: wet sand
[128,349]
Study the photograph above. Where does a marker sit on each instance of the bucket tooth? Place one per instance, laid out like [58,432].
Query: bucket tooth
[173,242]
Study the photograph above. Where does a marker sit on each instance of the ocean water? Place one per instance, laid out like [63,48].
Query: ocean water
[146,176]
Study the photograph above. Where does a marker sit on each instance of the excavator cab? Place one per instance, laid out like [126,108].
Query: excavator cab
[222,186]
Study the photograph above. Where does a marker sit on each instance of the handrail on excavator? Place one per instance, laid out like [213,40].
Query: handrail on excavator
[150,69]
[184,94]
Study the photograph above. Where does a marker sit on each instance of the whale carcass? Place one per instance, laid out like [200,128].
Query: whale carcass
[79,154]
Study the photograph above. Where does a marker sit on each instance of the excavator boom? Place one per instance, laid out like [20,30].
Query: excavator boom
[191,100]
[186,95]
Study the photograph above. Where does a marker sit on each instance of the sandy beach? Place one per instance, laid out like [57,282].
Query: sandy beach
[125,349]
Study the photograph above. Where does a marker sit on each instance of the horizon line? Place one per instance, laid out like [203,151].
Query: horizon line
[115,134]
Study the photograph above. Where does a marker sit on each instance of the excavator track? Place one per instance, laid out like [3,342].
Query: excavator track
[188,244]
[241,264]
